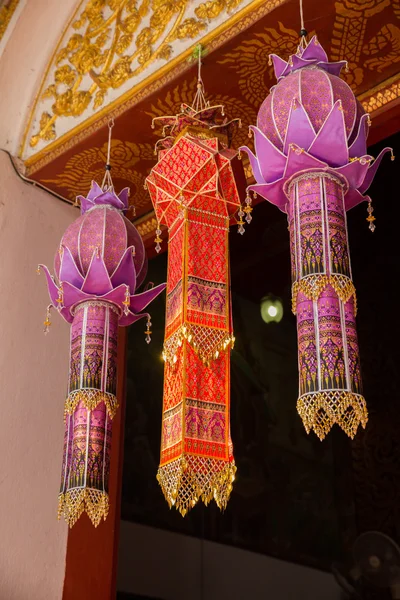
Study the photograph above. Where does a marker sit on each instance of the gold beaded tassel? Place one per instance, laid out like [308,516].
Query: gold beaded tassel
[371,217]
[240,223]
[158,239]
[47,321]
[248,209]
[148,331]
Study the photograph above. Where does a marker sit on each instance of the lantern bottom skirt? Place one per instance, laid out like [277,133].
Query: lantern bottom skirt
[188,479]
[73,503]
[320,410]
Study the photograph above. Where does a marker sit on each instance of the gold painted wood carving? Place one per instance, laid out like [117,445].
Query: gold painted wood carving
[112,42]
[7,9]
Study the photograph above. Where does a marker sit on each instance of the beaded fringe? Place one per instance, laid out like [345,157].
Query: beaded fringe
[319,411]
[188,479]
[312,287]
[91,397]
[74,502]
[207,342]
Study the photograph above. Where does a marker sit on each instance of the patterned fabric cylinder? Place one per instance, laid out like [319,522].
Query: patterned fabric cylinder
[330,389]
[90,407]
[196,448]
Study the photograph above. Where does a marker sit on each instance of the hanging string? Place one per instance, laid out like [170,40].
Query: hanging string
[107,180]
[303,31]
[199,101]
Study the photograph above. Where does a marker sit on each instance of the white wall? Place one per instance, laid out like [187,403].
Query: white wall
[33,380]
[166,565]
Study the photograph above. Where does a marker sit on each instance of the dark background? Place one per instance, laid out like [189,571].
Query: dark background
[295,497]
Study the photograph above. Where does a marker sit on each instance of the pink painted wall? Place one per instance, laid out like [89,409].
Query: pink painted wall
[23,62]
[33,378]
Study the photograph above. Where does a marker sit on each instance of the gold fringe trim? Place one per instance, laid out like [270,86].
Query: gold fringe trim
[208,343]
[320,410]
[90,398]
[313,286]
[74,502]
[186,480]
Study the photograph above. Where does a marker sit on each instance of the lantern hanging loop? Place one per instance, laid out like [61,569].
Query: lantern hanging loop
[107,183]
[303,30]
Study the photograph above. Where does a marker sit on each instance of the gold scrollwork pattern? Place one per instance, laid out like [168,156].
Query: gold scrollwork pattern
[87,165]
[7,9]
[112,42]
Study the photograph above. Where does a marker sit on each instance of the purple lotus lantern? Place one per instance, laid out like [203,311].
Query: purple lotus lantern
[100,263]
[312,163]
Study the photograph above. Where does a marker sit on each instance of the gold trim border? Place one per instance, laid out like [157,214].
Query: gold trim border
[240,21]
[379,96]
[6,13]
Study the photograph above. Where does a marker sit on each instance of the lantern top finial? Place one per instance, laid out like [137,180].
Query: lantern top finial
[99,196]
[308,55]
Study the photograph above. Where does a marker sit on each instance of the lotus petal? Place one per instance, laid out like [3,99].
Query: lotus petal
[51,286]
[359,146]
[72,295]
[355,172]
[299,130]
[125,271]
[299,160]
[372,170]
[130,318]
[330,143]
[140,301]
[314,51]
[352,198]
[85,204]
[68,269]
[335,68]
[255,167]
[97,280]
[124,197]
[95,190]
[271,160]
[272,192]
[279,65]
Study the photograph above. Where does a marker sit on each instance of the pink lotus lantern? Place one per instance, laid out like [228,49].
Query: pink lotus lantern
[100,263]
[312,163]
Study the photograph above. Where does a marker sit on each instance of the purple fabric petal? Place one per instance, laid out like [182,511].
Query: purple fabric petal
[140,301]
[125,271]
[299,130]
[72,295]
[354,172]
[301,161]
[51,286]
[334,68]
[130,318]
[116,296]
[359,147]
[95,190]
[330,144]
[124,197]
[315,51]
[372,170]
[97,280]
[352,198]
[255,167]
[279,65]
[68,269]
[271,160]
[272,192]
[85,204]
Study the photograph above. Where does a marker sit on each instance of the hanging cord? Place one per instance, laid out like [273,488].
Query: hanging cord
[303,30]
[199,101]
[107,184]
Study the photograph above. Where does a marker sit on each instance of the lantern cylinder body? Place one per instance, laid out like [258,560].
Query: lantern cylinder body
[196,448]
[90,407]
[330,389]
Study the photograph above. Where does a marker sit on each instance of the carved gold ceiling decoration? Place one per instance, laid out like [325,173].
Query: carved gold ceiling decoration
[237,75]
[109,47]
[88,165]
[7,9]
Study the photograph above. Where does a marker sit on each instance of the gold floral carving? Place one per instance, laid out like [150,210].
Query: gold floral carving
[379,97]
[114,41]
[87,165]
[147,226]
[7,10]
